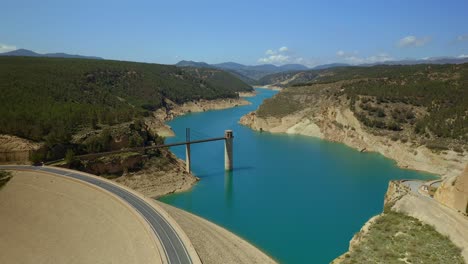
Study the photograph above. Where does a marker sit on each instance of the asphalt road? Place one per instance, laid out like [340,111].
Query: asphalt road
[173,246]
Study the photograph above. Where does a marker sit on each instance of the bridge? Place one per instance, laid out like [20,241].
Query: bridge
[228,149]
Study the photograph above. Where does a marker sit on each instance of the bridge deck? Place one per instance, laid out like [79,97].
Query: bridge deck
[139,149]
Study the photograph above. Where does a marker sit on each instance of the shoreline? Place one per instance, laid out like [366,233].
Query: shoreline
[158,122]
[241,250]
[155,183]
[442,165]
[268,87]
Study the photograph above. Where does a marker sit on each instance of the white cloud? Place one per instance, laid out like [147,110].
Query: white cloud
[354,58]
[6,48]
[346,54]
[279,56]
[462,37]
[275,59]
[284,55]
[413,41]
[462,56]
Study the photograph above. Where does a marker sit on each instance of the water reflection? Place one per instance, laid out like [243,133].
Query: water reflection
[228,188]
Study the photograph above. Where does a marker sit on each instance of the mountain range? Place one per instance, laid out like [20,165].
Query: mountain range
[30,53]
[254,74]
[247,73]
[251,74]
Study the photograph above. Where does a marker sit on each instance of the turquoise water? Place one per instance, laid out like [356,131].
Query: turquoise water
[298,198]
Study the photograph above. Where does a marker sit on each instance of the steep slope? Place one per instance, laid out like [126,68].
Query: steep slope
[45,97]
[412,229]
[416,115]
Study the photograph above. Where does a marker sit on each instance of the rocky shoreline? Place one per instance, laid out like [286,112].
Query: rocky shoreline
[444,217]
[153,180]
[338,124]
[333,120]
[157,122]
[173,179]
[269,87]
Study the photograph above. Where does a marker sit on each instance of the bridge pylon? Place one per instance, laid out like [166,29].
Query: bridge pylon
[228,146]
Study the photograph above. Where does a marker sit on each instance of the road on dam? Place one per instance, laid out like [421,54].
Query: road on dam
[174,248]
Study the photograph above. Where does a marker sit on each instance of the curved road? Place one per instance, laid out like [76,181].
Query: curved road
[174,248]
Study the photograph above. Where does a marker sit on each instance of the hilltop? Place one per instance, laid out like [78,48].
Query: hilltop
[30,53]
[250,74]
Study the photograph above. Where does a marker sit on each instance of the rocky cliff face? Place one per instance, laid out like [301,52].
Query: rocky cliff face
[332,119]
[156,123]
[454,192]
[395,191]
[16,150]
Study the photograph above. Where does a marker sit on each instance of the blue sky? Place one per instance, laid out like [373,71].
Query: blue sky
[248,32]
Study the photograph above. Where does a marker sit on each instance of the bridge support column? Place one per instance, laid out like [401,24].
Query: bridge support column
[187,150]
[228,145]
[187,158]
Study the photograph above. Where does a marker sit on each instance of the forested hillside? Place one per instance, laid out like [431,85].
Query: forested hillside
[388,97]
[48,98]
[428,103]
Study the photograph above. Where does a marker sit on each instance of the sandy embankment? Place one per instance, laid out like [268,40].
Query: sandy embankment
[339,124]
[445,220]
[52,219]
[269,87]
[213,243]
[156,182]
[247,94]
[157,123]
[15,149]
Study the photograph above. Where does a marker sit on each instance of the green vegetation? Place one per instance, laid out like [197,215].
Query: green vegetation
[441,90]
[5,176]
[423,103]
[295,99]
[395,237]
[278,106]
[300,77]
[219,78]
[50,99]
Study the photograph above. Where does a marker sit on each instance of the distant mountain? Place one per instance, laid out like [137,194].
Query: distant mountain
[249,74]
[21,52]
[331,65]
[195,64]
[288,78]
[433,60]
[293,67]
[29,53]
[229,65]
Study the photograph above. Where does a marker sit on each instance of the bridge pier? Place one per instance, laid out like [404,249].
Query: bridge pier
[187,158]
[187,150]
[228,145]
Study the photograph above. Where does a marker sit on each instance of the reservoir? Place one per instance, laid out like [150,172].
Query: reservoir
[299,199]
